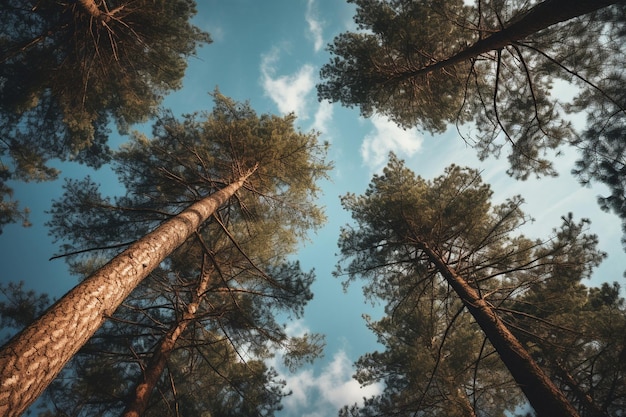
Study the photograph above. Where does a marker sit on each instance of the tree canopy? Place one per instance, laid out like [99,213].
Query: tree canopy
[235,272]
[495,69]
[436,251]
[70,69]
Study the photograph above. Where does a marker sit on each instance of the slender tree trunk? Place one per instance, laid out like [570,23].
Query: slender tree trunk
[153,371]
[33,358]
[541,16]
[546,399]
[585,399]
[465,404]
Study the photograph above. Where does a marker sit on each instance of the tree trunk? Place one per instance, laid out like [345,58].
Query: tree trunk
[546,399]
[465,404]
[33,358]
[585,399]
[138,404]
[541,16]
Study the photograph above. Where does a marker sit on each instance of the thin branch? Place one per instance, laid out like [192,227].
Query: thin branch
[573,73]
[119,245]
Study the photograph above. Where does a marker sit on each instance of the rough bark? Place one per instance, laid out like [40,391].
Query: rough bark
[542,16]
[33,358]
[153,371]
[545,398]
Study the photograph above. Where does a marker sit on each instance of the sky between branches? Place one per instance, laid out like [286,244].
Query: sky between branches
[270,53]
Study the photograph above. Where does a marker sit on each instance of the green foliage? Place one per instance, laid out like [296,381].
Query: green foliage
[437,359]
[602,144]
[577,333]
[430,64]
[368,67]
[65,74]
[236,269]
[434,361]
[20,307]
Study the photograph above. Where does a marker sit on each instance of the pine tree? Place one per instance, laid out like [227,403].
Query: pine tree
[183,162]
[428,64]
[69,69]
[447,231]
[493,67]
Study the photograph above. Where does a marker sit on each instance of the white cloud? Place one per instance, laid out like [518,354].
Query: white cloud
[330,390]
[337,388]
[289,92]
[296,328]
[316,391]
[385,137]
[315,26]
[323,117]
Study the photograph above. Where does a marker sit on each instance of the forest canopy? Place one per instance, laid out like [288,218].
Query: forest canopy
[69,70]
[197,244]
[493,69]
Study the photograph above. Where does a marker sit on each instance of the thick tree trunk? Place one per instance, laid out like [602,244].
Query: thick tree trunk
[546,399]
[542,16]
[33,358]
[153,371]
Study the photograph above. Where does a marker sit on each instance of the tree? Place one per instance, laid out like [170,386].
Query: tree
[165,172]
[32,358]
[203,373]
[492,66]
[68,69]
[435,360]
[576,333]
[185,161]
[447,228]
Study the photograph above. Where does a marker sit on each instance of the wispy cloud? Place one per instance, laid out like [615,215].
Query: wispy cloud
[289,92]
[323,117]
[330,390]
[386,137]
[320,392]
[315,26]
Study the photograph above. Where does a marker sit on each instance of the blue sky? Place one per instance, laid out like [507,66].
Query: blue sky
[270,53]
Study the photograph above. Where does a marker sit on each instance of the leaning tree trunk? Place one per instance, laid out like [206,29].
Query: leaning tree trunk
[467,408]
[584,398]
[541,16]
[545,398]
[33,358]
[152,373]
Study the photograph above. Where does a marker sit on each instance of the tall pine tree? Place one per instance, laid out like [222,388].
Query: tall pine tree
[492,68]
[411,234]
[273,202]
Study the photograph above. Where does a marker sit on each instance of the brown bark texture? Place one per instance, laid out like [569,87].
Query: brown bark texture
[152,373]
[541,16]
[34,357]
[545,398]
